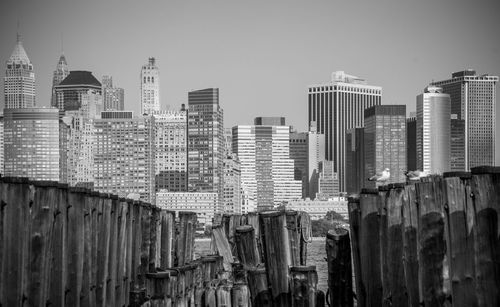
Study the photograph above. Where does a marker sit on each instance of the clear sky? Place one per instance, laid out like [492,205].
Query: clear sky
[261,54]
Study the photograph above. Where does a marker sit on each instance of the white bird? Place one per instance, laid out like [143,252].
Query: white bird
[381,176]
[416,175]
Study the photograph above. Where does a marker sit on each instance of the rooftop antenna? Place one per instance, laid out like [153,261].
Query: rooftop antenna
[18,34]
[62,43]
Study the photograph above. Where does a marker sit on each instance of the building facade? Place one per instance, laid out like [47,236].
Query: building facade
[74,89]
[113,97]
[328,181]
[355,160]
[61,72]
[205,142]
[433,131]
[31,143]
[19,80]
[124,155]
[385,142]
[171,150]
[317,209]
[337,106]
[203,204]
[411,143]
[473,99]
[150,87]
[232,185]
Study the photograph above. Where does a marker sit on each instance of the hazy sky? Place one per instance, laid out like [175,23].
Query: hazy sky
[261,54]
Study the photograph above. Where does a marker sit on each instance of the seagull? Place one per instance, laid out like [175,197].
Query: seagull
[381,177]
[415,175]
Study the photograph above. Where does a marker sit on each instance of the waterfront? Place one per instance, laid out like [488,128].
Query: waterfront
[316,255]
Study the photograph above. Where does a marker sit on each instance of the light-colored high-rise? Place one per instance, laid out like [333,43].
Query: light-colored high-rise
[61,72]
[232,185]
[1,145]
[150,87]
[113,97]
[267,172]
[19,80]
[337,106]
[433,131]
[171,150]
[206,143]
[124,155]
[473,99]
[31,143]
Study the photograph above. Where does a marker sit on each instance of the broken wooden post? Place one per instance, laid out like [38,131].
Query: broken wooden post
[292,225]
[305,227]
[338,253]
[410,241]
[167,221]
[219,241]
[247,246]
[486,196]
[185,242]
[303,285]
[354,225]
[258,286]
[384,267]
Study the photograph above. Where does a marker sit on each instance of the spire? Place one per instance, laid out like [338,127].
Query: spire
[19,54]
[18,33]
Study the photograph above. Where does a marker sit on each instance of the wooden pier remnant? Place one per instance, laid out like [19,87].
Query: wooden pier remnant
[338,253]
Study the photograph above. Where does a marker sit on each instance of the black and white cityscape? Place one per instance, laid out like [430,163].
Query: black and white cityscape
[324,100]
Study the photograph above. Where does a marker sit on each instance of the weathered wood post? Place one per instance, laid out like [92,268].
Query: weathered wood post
[305,226]
[486,196]
[432,244]
[167,234]
[395,268]
[113,253]
[384,269]
[459,213]
[369,247]
[292,225]
[303,284]
[410,240]
[122,251]
[353,206]
[185,242]
[277,255]
[223,294]
[247,246]
[338,253]
[254,221]
[259,289]
[221,244]
[240,295]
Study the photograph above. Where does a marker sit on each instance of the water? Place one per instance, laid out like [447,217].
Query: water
[316,255]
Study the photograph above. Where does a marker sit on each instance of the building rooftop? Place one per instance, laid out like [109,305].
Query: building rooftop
[80,77]
[19,54]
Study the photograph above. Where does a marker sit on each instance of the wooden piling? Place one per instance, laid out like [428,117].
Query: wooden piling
[303,285]
[167,234]
[222,246]
[247,246]
[485,186]
[410,241]
[305,227]
[353,206]
[338,253]
[240,295]
[294,236]
[258,286]
[383,239]
[113,252]
[185,242]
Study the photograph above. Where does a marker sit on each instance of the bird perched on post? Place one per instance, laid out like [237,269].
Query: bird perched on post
[381,176]
[415,175]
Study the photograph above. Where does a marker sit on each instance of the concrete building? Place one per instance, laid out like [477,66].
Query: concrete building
[457,143]
[61,72]
[473,99]
[385,142]
[203,204]
[171,150]
[433,131]
[317,209]
[150,87]
[328,181]
[113,97]
[269,121]
[411,143]
[124,155]
[267,172]
[2,156]
[31,143]
[206,143]
[298,153]
[337,106]
[19,80]
[232,185]
[355,160]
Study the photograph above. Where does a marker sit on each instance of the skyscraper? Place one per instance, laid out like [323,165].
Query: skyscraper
[61,72]
[411,143]
[1,144]
[232,184]
[337,106]
[31,143]
[171,150]
[71,91]
[328,183]
[19,80]
[355,160]
[205,142]
[433,131]
[113,97]
[473,99]
[124,155]
[267,172]
[385,142]
[150,87]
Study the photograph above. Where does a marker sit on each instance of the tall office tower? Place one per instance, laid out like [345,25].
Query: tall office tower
[71,91]
[61,72]
[433,131]
[411,143]
[385,142]
[473,99]
[150,87]
[124,155]
[267,172]
[206,143]
[31,143]
[19,80]
[337,106]
[113,97]
[355,160]
[170,150]
[307,149]
[328,182]
[269,121]
[1,145]
[232,184]
[457,144]
[228,141]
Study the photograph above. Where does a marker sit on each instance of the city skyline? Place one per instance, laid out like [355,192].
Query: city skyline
[422,42]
